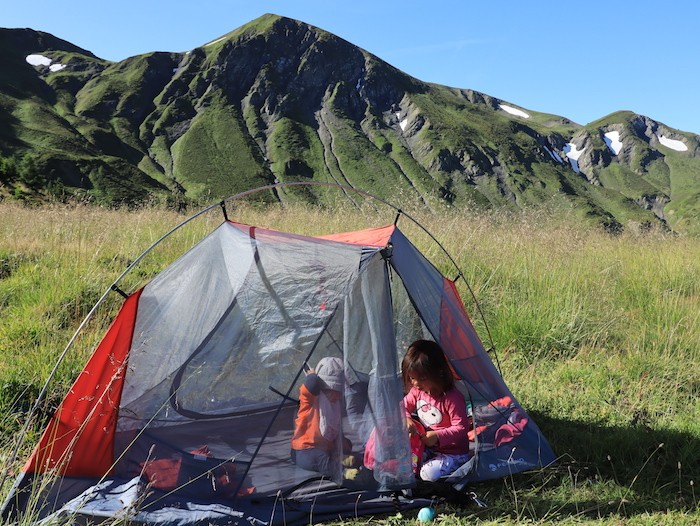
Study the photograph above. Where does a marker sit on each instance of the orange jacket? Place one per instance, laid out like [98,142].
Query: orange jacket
[307,430]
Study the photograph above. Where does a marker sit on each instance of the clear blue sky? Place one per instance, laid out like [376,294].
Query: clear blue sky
[581,60]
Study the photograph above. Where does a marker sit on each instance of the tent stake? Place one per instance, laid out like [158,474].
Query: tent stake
[115,288]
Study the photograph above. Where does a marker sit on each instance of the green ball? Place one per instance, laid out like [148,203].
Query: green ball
[426,515]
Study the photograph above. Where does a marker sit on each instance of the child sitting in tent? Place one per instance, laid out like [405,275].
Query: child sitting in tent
[317,428]
[436,411]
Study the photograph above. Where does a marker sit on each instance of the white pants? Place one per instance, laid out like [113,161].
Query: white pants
[441,465]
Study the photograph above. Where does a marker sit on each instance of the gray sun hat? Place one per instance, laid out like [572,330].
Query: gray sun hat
[330,371]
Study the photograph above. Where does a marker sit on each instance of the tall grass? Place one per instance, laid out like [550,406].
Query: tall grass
[597,335]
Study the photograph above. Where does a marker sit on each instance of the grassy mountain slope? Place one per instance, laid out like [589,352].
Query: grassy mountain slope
[279,100]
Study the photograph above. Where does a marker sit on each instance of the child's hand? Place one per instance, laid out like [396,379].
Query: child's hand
[430,438]
[412,429]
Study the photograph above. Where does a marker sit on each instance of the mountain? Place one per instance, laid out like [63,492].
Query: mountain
[278,100]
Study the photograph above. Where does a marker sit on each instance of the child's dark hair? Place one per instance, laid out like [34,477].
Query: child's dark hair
[425,359]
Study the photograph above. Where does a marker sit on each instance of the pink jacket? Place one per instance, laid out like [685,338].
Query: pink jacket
[446,415]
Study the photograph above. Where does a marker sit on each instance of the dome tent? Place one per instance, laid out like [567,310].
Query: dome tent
[185,411]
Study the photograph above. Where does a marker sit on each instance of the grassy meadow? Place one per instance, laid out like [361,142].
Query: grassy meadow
[597,335]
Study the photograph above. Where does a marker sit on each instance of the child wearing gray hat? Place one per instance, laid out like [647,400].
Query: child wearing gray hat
[317,440]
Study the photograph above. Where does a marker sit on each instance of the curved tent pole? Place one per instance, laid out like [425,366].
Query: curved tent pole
[114,286]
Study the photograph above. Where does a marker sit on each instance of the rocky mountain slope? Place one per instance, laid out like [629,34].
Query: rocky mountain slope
[278,100]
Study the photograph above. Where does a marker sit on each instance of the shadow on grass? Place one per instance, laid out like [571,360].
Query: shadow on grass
[602,471]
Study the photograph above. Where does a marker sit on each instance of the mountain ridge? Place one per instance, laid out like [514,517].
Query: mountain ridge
[280,100]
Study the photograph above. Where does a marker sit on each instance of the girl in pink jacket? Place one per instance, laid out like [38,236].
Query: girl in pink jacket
[436,411]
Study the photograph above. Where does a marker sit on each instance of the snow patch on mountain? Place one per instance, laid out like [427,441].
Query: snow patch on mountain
[554,155]
[41,60]
[38,60]
[612,139]
[514,111]
[403,123]
[572,154]
[674,144]
[215,41]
